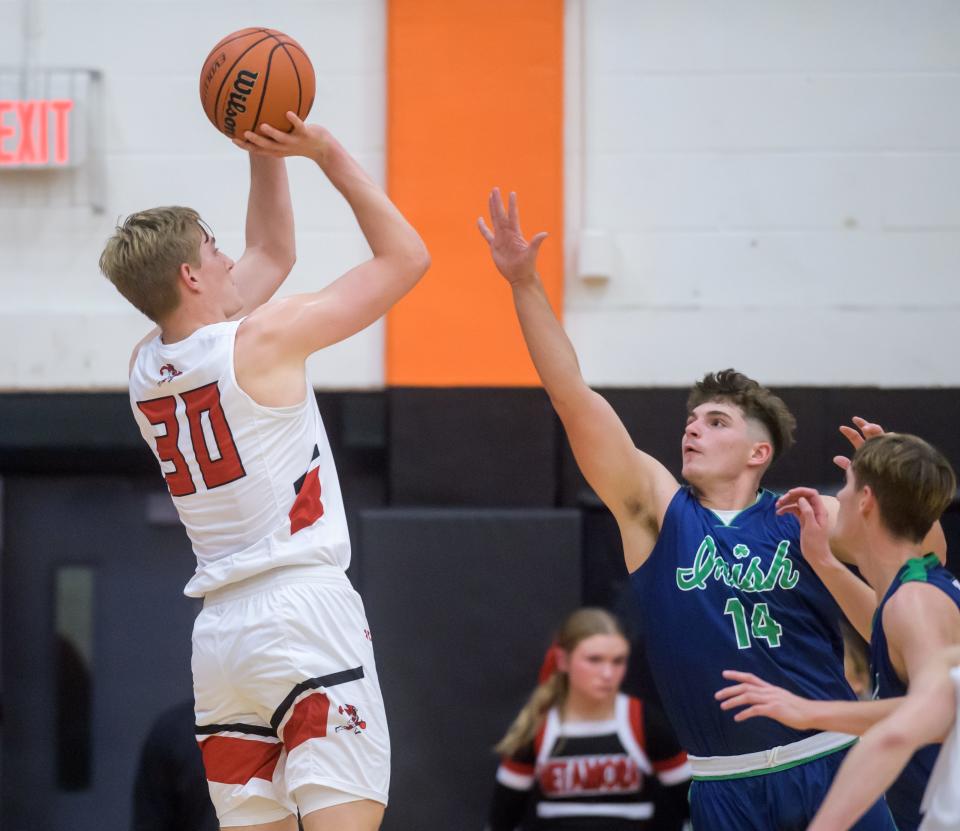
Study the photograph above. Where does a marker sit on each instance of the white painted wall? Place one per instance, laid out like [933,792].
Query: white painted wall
[62,325]
[772,186]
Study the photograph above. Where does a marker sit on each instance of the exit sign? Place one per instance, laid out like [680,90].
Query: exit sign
[36,132]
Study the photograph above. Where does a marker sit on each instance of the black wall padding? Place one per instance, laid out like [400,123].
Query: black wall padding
[462,605]
[655,419]
[489,447]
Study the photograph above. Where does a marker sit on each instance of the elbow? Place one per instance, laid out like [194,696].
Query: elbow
[418,260]
[895,741]
[286,263]
[424,261]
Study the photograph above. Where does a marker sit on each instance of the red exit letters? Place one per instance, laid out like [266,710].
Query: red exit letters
[26,135]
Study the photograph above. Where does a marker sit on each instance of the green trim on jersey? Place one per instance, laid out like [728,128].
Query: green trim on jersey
[917,568]
[777,769]
[733,518]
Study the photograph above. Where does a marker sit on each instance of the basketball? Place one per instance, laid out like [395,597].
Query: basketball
[254,76]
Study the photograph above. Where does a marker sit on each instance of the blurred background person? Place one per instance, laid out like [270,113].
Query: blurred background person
[581,755]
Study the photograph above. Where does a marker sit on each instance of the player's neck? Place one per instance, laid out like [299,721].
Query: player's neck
[582,708]
[183,323]
[730,495]
[886,557]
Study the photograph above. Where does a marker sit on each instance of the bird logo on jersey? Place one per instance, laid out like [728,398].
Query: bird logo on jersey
[167,373]
[307,507]
[354,722]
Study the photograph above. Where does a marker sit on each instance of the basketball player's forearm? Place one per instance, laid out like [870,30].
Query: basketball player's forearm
[855,598]
[869,769]
[853,717]
[386,230]
[269,225]
[547,342]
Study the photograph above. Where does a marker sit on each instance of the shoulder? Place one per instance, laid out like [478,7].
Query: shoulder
[916,606]
[785,524]
[682,501]
[140,344]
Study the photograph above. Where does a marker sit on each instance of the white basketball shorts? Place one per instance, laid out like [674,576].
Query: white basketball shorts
[287,694]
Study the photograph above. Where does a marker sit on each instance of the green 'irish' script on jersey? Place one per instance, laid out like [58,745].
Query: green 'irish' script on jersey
[747,575]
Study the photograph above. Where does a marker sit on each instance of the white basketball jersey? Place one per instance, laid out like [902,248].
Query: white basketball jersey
[941,802]
[255,486]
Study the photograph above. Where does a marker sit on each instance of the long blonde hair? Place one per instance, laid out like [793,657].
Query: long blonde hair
[582,624]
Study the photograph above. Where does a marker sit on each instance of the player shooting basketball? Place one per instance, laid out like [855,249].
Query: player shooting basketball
[282,657]
[719,577]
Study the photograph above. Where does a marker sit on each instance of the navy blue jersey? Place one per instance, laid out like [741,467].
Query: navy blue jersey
[905,795]
[712,597]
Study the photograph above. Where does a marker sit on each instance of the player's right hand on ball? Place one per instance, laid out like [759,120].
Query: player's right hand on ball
[309,140]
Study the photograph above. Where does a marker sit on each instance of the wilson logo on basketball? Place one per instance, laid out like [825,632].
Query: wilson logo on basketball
[242,90]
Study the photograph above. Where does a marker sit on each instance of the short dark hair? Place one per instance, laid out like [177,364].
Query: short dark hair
[755,401]
[912,481]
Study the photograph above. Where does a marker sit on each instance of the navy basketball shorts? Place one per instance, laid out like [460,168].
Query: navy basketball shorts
[783,801]
[288,705]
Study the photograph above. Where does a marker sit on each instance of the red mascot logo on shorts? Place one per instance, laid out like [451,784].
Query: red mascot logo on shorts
[355,723]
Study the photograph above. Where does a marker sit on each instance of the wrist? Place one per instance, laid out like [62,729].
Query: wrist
[524,280]
[822,558]
[326,150]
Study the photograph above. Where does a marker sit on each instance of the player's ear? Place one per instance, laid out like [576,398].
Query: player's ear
[187,276]
[563,660]
[867,501]
[761,454]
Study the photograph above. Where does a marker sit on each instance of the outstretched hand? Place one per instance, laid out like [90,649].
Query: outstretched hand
[514,257]
[761,699]
[309,140]
[808,507]
[856,435]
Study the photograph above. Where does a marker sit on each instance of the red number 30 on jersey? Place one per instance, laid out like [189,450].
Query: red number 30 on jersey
[217,468]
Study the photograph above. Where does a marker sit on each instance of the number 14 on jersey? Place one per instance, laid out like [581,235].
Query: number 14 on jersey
[762,626]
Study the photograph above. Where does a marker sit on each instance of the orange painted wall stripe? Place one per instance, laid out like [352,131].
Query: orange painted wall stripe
[474,99]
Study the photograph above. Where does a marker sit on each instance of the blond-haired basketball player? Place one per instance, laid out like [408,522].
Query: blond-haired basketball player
[289,713]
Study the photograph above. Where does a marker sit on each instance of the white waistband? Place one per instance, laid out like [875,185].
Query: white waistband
[623,810]
[769,761]
[307,573]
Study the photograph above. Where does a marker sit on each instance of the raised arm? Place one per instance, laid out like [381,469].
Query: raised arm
[283,333]
[924,717]
[270,250]
[856,599]
[633,485]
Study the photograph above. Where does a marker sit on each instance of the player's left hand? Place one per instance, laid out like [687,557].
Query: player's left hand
[514,257]
[309,140]
[762,699]
[856,435]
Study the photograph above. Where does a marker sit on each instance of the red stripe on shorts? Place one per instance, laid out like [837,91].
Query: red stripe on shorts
[307,721]
[233,761]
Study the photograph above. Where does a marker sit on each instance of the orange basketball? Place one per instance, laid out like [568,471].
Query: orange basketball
[254,76]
